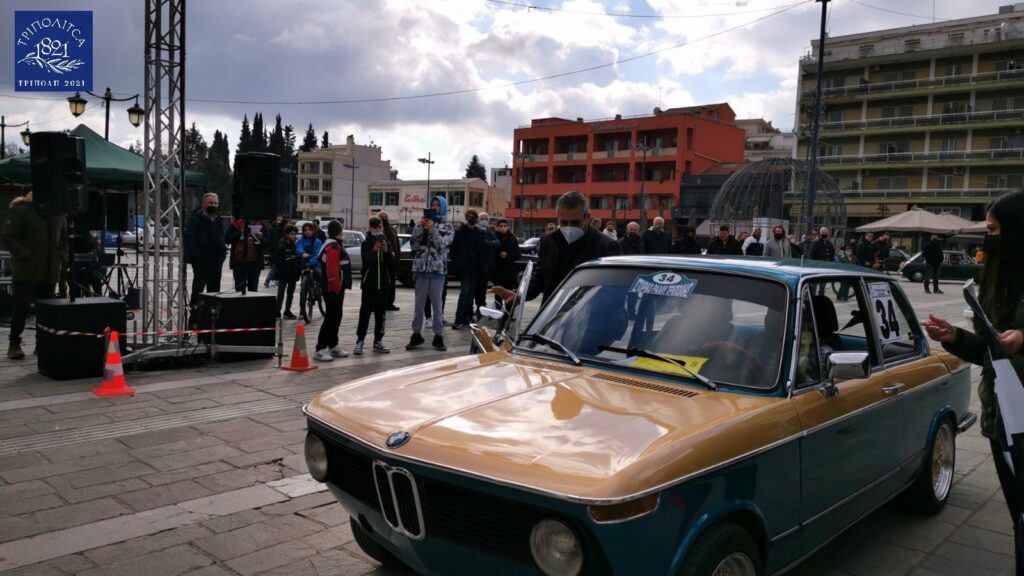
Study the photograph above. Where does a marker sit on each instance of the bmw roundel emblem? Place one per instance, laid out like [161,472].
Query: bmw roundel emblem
[396,439]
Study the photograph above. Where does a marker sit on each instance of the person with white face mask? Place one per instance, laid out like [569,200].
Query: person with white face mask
[573,243]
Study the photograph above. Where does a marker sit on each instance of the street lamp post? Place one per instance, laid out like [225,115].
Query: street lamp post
[428,162]
[25,135]
[352,198]
[643,148]
[135,114]
[812,181]
[522,186]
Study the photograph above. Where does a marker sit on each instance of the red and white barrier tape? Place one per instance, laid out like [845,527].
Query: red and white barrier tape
[158,333]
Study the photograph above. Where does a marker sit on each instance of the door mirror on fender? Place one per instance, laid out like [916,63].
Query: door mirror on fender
[845,366]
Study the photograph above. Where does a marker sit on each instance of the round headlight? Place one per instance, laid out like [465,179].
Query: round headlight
[555,549]
[316,457]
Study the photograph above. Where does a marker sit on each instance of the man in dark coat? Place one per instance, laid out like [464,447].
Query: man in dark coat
[394,246]
[505,257]
[687,243]
[631,242]
[866,254]
[656,240]
[574,243]
[724,243]
[823,249]
[933,260]
[204,247]
[468,255]
[38,244]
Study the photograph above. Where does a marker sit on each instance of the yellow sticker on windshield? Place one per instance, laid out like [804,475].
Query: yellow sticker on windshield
[693,363]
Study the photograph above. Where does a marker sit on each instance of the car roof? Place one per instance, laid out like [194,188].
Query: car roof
[789,271]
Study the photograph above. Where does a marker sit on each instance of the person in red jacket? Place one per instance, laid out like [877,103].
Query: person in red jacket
[337,277]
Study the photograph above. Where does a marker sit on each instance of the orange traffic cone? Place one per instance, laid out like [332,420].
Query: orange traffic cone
[300,359]
[113,372]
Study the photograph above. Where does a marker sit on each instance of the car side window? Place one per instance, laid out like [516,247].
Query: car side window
[840,317]
[895,328]
[808,368]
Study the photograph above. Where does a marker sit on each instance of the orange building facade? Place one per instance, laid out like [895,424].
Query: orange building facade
[601,159]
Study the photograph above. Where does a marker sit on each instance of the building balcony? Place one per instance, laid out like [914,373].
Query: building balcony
[906,88]
[990,119]
[962,41]
[928,195]
[602,155]
[570,157]
[537,158]
[917,159]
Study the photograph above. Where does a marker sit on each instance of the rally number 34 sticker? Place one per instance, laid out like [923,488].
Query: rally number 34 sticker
[885,311]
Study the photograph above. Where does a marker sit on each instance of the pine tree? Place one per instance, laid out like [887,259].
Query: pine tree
[275,143]
[196,149]
[326,142]
[244,137]
[289,141]
[219,148]
[475,169]
[259,134]
[309,141]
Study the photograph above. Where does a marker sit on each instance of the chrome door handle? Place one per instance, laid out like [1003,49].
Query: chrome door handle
[892,388]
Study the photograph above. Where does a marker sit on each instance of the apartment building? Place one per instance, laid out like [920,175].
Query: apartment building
[327,188]
[929,115]
[609,159]
[765,141]
[404,200]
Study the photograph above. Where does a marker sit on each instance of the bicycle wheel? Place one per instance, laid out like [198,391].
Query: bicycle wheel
[835,287]
[306,297]
[319,297]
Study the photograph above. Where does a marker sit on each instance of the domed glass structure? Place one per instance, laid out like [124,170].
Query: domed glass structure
[774,192]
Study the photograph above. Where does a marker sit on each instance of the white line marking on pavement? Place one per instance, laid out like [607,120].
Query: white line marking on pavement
[43,547]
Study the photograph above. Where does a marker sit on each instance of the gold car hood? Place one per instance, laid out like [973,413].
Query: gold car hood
[578,432]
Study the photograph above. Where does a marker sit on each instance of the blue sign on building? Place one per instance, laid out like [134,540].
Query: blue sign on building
[52,51]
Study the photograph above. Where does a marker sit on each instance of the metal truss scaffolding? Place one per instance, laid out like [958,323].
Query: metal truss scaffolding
[164,199]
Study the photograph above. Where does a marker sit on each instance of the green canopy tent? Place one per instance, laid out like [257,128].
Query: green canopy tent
[107,166]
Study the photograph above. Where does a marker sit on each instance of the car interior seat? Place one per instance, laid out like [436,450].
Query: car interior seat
[826,321]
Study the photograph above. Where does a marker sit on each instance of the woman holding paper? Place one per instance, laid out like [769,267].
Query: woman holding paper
[1001,294]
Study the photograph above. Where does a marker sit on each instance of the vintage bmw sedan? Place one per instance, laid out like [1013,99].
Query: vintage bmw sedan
[659,415]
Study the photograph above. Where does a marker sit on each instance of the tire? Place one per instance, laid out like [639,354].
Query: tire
[307,289]
[723,549]
[930,490]
[319,297]
[372,549]
[917,276]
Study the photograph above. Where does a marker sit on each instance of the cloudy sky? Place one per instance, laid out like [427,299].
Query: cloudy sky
[512,63]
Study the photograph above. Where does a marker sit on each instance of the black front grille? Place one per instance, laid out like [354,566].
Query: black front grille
[352,472]
[387,503]
[408,511]
[470,518]
[477,520]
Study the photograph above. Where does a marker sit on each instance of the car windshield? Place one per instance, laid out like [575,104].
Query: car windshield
[727,328]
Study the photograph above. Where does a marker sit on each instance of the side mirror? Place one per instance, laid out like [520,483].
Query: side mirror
[845,366]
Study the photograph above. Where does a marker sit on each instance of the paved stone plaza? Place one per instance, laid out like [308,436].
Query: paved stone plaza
[202,473]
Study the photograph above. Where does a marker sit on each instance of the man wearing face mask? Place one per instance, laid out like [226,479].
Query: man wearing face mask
[395,249]
[632,242]
[687,243]
[656,240]
[204,247]
[487,267]
[778,245]
[574,243]
[467,253]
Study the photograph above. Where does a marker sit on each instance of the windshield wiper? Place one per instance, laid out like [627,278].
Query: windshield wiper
[641,353]
[552,343]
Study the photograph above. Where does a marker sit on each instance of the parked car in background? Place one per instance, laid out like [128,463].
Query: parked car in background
[659,415]
[897,256]
[956,265]
[530,245]
[128,238]
[405,276]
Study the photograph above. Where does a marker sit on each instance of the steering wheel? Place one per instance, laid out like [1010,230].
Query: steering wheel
[714,345]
